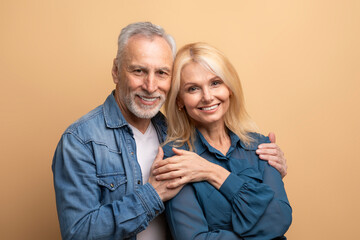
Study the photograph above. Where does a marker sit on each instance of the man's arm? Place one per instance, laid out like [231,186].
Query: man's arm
[272,153]
[79,196]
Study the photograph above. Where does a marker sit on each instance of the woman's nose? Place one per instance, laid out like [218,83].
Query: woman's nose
[207,95]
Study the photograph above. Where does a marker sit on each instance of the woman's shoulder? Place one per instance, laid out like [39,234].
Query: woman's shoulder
[257,139]
[167,148]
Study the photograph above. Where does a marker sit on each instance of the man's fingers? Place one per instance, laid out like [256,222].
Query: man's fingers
[176,183]
[270,158]
[268,145]
[158,158]
[179,151]
[272,137]
[160,154]
[279,167]
[269,151]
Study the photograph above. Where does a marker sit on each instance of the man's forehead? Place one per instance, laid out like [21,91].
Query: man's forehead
[145,51]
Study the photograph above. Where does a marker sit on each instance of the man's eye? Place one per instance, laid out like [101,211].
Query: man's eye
[138,72]
[162,73]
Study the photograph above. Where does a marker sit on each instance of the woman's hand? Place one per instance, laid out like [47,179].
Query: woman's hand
[187,167]
[272,153]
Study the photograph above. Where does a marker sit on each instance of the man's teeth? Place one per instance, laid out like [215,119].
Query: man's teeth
[148,99]
[210,108]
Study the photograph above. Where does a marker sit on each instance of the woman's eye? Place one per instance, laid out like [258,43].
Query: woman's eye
[192,89]
[215,83]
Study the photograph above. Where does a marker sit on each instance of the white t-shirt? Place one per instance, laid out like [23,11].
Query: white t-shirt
[146,150]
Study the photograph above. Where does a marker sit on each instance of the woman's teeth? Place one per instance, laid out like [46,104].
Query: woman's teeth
[210,108]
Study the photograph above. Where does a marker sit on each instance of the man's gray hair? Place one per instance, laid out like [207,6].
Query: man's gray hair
[146,29]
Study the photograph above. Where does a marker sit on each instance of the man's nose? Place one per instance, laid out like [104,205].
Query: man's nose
[150,83]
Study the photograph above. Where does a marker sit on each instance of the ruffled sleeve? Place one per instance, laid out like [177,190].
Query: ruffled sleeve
[249,198]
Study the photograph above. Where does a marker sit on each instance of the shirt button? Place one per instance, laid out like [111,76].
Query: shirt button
[139,182]
[156,212]
[112,185]
[132,153]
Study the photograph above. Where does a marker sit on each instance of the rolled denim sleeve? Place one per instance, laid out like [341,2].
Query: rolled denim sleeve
[78,197]
[187,221]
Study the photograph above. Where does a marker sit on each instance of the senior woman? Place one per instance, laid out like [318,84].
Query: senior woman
[244,198]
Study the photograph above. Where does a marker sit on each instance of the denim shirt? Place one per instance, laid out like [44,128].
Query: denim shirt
[250,204]
[98,181]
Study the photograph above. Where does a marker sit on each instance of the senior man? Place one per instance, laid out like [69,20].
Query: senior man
[104,185]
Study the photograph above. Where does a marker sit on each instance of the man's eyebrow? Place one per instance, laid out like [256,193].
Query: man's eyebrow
[164,69]
[132,67]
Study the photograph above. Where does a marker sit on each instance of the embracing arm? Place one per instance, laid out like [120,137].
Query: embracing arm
[81,213]
[272,153]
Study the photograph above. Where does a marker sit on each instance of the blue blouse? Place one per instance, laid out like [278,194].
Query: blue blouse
[251,203]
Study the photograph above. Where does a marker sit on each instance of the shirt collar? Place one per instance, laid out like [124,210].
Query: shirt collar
[112,113]
[201,144]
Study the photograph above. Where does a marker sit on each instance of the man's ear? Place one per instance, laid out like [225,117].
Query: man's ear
[115,71]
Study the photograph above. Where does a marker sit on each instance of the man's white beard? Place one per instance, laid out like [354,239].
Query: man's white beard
[142,110]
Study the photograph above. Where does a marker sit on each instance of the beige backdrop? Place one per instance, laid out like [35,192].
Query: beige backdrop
[298,61]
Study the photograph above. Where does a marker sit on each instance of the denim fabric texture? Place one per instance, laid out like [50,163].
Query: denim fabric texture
[250,204]
[98,181]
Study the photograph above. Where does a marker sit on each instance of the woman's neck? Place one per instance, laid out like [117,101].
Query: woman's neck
[217,137]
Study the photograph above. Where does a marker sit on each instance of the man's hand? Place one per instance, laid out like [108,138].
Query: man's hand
[186,166]
[161,186]
[272,153]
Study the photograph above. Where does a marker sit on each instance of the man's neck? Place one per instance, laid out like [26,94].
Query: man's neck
[140,124]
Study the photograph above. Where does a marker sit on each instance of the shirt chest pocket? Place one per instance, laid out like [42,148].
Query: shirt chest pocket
[110,173]
[113,187]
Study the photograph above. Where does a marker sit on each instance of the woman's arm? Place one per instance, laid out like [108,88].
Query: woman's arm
[278,215]
[187,221]
[185,167]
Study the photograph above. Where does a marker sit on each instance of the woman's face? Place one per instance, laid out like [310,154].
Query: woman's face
[204,95]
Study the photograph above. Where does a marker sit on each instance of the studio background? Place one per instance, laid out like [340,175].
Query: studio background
[298,62]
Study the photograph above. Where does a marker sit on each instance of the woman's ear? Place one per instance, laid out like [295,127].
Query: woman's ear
[179,103]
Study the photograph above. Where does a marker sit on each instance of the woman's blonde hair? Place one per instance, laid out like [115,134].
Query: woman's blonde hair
[181,129]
